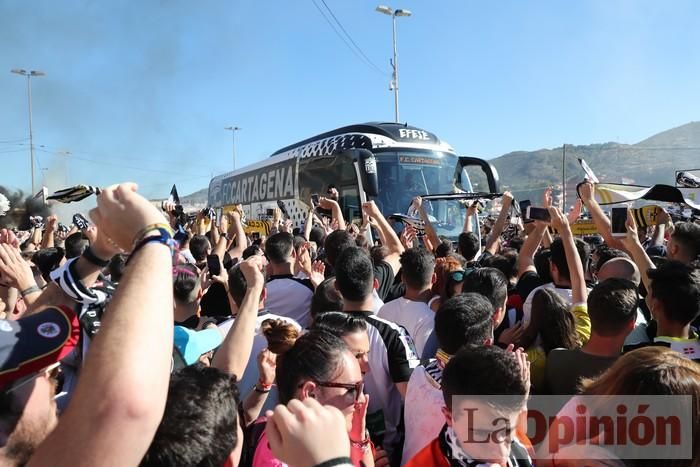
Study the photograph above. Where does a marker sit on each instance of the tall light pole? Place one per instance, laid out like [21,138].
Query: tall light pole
[233,130]
[29,75]
[394,63]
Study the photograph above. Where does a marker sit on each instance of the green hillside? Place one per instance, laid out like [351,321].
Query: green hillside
[648,162]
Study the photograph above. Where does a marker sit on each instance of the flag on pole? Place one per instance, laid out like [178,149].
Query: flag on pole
[614,193]
[42,194]
[174,197]
[75,193]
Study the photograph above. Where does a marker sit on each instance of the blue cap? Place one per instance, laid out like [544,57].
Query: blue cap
[192,344]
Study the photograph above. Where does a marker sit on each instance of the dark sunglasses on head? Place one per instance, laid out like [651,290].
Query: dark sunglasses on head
[457,276]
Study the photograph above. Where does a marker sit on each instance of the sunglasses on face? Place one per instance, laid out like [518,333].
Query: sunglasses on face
[354,389]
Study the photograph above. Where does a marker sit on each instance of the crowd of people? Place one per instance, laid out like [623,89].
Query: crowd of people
[145,338]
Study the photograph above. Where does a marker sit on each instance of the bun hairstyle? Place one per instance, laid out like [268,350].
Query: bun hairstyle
[280,335]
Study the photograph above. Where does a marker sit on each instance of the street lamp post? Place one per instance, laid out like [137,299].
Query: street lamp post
[233,130]
[29,75]
[394,63]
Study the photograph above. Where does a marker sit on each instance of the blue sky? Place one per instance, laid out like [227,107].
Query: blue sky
[142,90]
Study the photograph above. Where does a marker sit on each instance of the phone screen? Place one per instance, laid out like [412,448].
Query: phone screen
[618,219]
[540,214]
[523,205]
[270,212]
[214,265]
[314,200]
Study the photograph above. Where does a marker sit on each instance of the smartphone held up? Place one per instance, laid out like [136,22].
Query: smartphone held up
[537,214]
[618,218]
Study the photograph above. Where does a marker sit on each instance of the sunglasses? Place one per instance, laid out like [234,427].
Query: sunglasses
[457,276]
[358,387]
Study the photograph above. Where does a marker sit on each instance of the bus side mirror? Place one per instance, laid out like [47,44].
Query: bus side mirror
[368,170]
[488,170]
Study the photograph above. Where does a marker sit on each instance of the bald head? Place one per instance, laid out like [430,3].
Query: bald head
[619,268]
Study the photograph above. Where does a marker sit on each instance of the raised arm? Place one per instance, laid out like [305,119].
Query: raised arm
[121,394]
[47,241]
[579,292]
[429,229]
[237,234]
[601,221]
[334,207]
[636,250]
[471,210]
[255,400]
[526,257]
[389,238]
[492,242]
[234,352]
[309,222]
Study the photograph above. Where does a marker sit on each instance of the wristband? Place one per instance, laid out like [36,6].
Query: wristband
[261,391]
[163,237]
[337,461]
[30,290]
[92,258]
[149,228]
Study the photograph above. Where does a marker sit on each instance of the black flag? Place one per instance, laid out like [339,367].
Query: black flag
[174,197]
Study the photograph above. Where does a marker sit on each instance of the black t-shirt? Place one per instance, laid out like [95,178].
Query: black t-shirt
[384,274]
[527,283]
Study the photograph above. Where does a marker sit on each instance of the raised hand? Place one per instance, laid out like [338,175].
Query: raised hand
[371,209]
[267,366]
[252,271]
[8,236]
[408,236]
[305,434]
[632,237]
[318,273]
[575,212]
[14,269]
[51,223]
[122,213]
[586,191]
[558,220]
[326,203]
[547,197]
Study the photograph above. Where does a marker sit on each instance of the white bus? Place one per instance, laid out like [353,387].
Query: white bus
[389,163]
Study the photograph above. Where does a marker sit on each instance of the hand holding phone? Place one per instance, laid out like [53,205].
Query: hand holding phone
[523,205]
[537,214]
[214,265]
[314,200]
[618,218]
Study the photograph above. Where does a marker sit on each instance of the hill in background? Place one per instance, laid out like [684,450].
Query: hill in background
[649,162]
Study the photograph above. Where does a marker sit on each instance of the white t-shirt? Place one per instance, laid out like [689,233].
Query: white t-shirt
[251,374]
[291,297]
[416,317]
[392,358]
[423,409]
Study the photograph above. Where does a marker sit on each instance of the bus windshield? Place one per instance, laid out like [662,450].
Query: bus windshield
[404,174]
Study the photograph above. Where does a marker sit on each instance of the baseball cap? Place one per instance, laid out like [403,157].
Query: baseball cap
[31,344]
[190,344]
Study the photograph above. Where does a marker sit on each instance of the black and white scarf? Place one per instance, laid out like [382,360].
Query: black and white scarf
[452,450]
